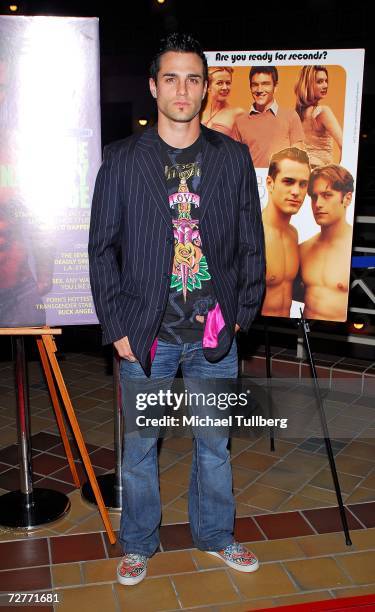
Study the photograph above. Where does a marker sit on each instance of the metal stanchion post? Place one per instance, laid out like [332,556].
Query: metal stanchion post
[110,484]
[23,424]
[28,507]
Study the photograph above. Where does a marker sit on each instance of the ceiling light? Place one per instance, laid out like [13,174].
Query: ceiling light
[358,325]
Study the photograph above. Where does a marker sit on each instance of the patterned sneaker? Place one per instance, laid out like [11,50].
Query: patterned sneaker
[237,557]
[131,569]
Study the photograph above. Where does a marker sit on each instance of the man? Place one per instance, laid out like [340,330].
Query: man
[268,127]
[22,242]
[325,258]
[180,203]
[287,181]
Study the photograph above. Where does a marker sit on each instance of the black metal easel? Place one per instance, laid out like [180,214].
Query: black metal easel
[306,329]
[269,383]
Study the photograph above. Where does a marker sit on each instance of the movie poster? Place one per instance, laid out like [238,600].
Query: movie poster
[299,114]
[49,155]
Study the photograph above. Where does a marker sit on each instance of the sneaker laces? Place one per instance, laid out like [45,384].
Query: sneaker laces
[135,558]
[235,547]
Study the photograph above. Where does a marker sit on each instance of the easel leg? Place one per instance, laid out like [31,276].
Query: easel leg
[327,440]
[269,376]
[50,350]
[57,409]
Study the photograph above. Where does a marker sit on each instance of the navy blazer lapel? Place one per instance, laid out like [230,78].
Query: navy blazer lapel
[212,162]
[149,159]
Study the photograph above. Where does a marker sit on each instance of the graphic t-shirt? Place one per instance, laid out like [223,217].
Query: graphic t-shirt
[191,291]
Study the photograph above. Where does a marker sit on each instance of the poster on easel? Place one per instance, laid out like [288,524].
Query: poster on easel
[50,152]
[298,112]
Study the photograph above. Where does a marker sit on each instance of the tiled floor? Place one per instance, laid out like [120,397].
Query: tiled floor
[285,510]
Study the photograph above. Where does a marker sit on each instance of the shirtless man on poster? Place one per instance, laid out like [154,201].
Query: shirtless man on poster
[325,258]
[287,181]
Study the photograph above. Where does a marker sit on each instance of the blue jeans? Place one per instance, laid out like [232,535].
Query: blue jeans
[211,500]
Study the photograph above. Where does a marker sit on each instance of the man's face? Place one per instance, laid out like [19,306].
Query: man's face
[262,89]
[221,85]
[180,87]
[288,190]
[328,205]
[3,80]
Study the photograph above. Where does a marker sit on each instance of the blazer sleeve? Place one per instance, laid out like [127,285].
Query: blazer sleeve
[251,247]
[104,242]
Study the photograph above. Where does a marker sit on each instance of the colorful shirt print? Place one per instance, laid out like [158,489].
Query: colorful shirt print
[191,291]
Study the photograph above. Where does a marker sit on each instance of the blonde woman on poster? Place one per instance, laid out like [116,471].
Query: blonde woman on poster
[218,114]
[320,125]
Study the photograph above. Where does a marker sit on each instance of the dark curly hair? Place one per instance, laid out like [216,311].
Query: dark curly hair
[181,43]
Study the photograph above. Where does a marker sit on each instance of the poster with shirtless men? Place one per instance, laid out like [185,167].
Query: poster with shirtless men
[299,114]
[49,155]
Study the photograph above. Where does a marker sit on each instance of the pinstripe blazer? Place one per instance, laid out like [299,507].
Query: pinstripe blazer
[131,239]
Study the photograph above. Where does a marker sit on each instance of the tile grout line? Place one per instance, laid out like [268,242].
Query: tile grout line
[81,572]
[351,551]
[216,568]
[194,561]
[149,578]
[344,571]
[170,578]
[291,494]
[357,586]
[291,577]
[234,585]
[299,489]
[105,545]
[50,563]
[175,462]
[359,485]
[301,513]
[116,597]
[357,518]
[252,517]
[341,453]
[243,489]
[260,528]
